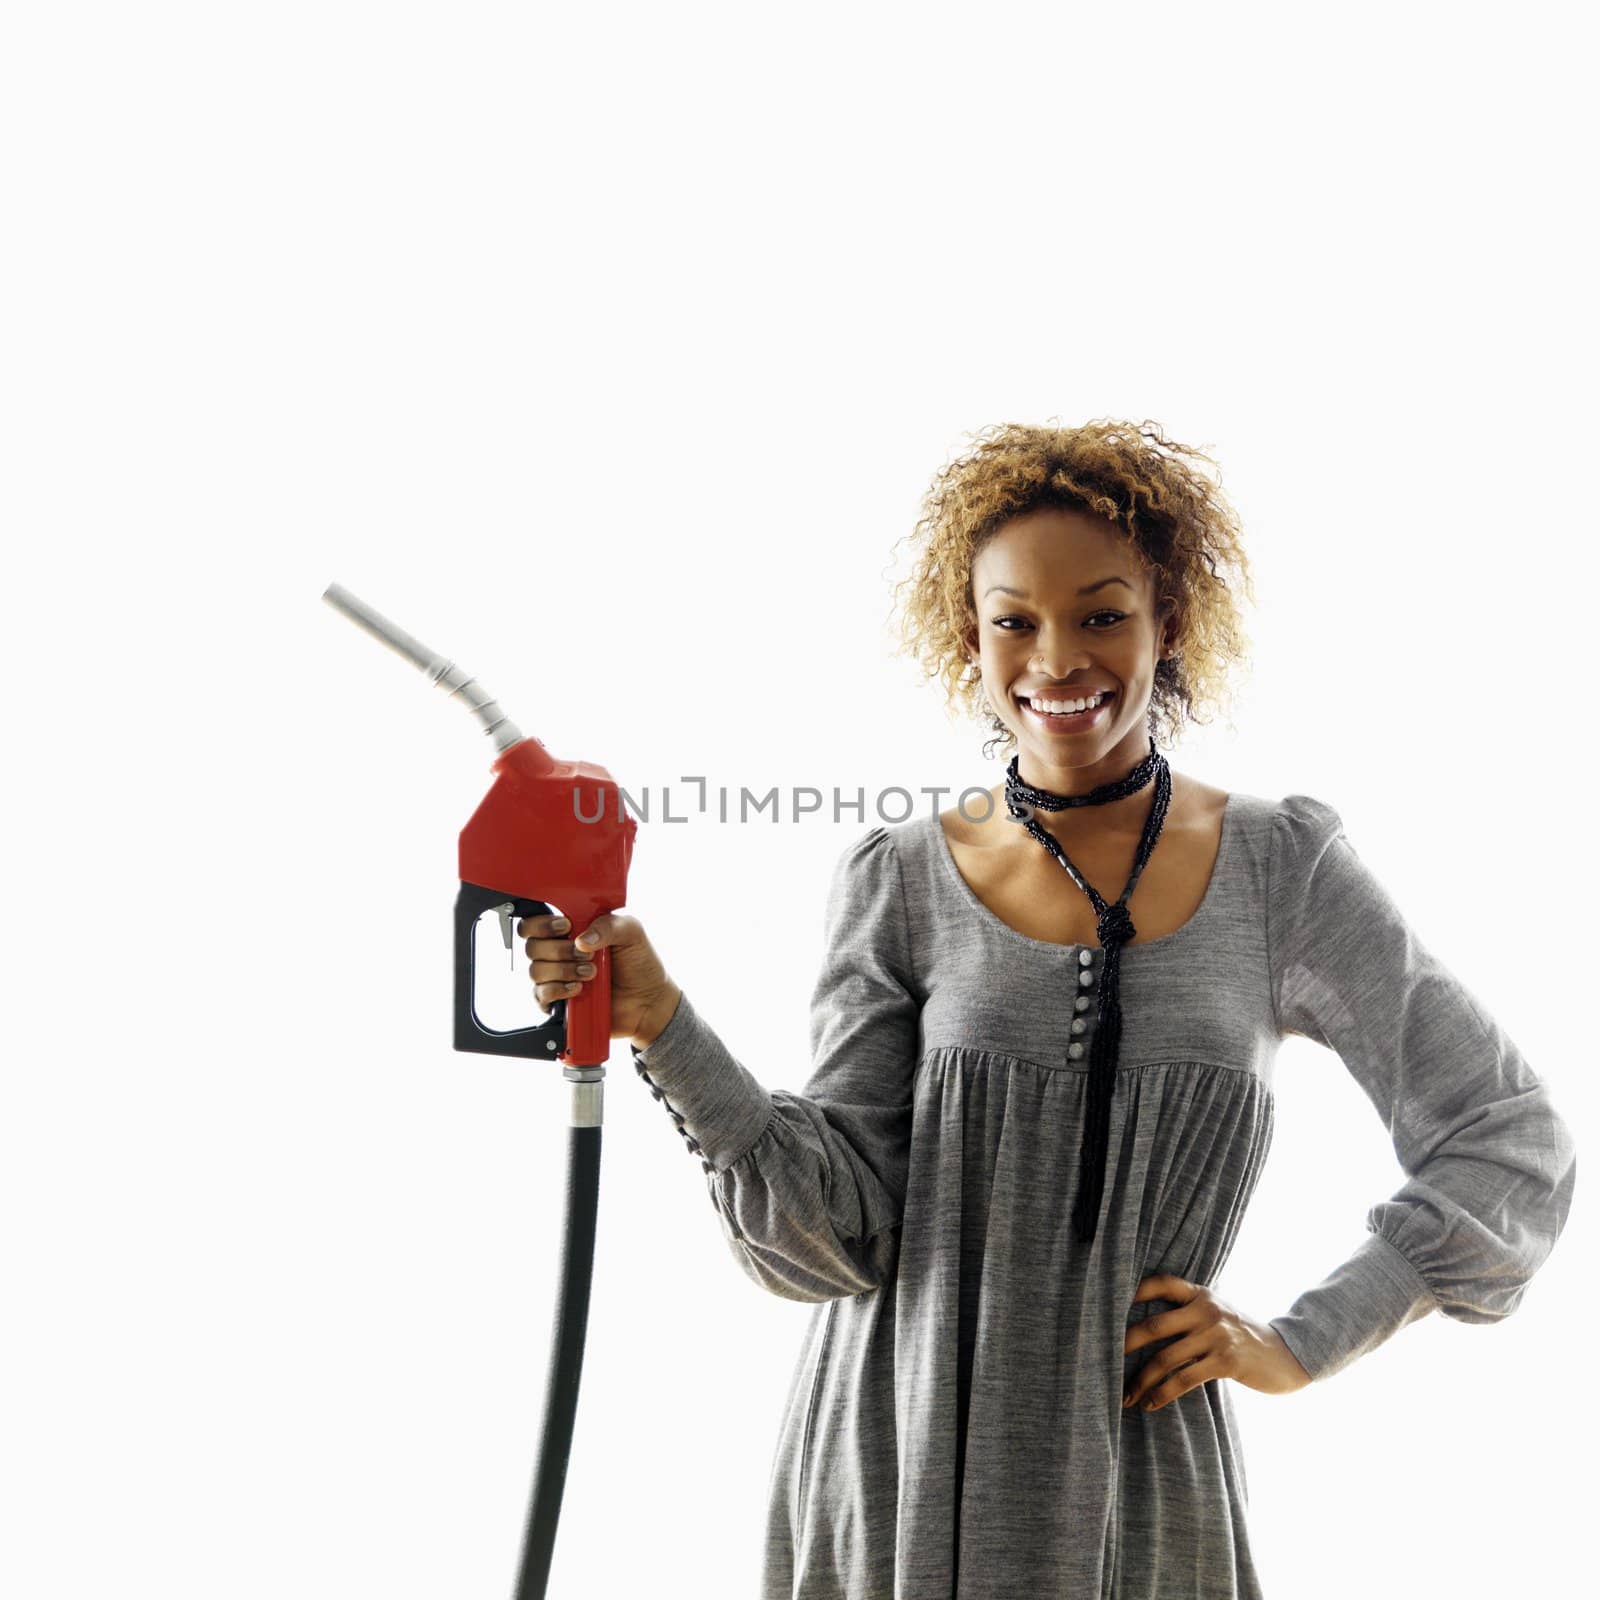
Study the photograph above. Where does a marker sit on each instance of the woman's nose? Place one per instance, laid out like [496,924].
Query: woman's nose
[1057,659]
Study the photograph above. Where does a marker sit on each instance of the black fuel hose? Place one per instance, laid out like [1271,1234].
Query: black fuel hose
[566,1361]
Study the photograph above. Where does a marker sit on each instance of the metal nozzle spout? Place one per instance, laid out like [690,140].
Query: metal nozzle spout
[446,674]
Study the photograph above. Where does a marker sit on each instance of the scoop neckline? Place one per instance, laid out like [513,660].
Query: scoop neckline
[965,889]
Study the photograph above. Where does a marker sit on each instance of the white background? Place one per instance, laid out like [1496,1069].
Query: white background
[609,350]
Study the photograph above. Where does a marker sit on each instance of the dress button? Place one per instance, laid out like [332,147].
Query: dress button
[658,1094]
[1085,978]
[1086,958]
[1074,1050]
[1078,1024]
[706,1166]
[1081,1003]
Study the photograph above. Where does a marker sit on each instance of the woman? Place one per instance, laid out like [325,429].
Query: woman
[1043,1039]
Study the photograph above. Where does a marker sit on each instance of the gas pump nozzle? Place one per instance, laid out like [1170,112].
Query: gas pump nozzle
[549,834]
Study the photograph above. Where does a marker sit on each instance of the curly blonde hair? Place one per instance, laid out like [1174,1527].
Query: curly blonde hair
[1175,519]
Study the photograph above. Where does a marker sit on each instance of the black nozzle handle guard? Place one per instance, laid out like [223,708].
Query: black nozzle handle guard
[544,1042]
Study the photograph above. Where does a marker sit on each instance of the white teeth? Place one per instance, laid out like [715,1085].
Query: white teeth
[1058,707]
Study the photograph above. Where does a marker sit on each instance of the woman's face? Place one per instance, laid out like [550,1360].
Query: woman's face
[1051,627]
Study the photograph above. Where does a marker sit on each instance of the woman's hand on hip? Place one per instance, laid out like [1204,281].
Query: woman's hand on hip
[1210,1339]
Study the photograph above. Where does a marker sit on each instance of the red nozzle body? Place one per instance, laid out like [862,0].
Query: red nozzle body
[555,831]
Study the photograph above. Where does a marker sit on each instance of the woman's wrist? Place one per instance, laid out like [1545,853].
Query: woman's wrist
[656,1018]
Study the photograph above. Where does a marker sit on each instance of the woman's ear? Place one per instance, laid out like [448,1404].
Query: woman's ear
[1171,624]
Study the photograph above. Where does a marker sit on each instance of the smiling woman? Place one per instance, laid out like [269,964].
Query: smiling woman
[1169,537]
[1036,1115]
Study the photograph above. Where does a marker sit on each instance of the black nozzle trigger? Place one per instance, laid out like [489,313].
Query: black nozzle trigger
[543,1042]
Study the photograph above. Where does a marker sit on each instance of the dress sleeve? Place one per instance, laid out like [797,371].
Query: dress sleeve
[1489,1163]
[810,1187]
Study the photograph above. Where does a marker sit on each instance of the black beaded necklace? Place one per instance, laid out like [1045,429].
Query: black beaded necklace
[1115,928]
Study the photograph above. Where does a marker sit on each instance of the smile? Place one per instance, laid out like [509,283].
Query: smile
[1067,721]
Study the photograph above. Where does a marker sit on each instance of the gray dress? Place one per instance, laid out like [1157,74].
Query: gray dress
[954,1424]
